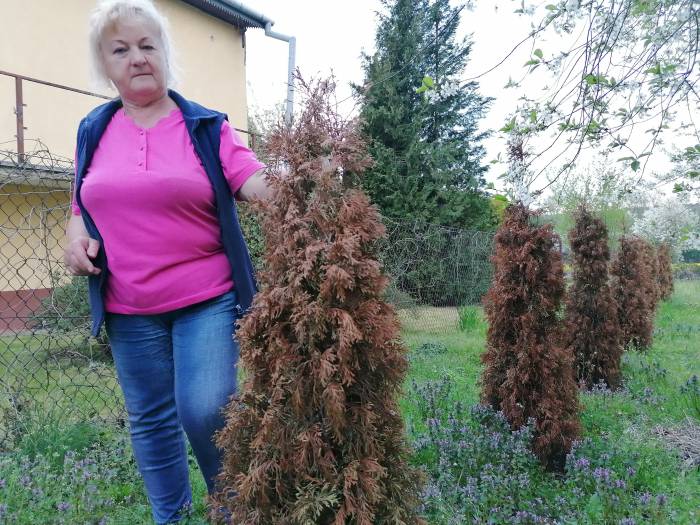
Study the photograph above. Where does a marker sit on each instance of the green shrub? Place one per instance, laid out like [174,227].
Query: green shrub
[429,349]
[250,226]
[470,318]
[66,312]
[691,256]
[67,307]
[687,270]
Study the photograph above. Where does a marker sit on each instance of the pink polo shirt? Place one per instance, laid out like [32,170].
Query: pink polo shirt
[153,204]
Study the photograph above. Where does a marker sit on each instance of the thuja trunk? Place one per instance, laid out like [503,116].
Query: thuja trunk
[633,292]
[528,374]
[316,435]
[592,330]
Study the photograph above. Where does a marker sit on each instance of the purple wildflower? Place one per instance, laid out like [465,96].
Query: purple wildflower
[431,491]
[645,498]
[3,509]
[631,472]
[63,506]
[620,484]
[602,474]
[628,521]
[661,500]
[582,464]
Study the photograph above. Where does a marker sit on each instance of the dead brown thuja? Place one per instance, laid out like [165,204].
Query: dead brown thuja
[631,289]
[315,435]
[528,374]
[651,261]
[665,271]
[592,330]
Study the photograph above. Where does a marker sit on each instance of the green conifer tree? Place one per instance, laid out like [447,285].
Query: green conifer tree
[426,146]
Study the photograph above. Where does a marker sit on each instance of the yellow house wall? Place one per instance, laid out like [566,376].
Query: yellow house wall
[32,222]
[46,39]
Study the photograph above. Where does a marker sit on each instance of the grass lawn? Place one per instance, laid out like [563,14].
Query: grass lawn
[633,466]
[62,376]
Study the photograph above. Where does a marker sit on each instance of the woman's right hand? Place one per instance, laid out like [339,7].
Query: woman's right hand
[80,249]
[78,254]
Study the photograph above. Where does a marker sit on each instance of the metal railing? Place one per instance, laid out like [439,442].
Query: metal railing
[20,105]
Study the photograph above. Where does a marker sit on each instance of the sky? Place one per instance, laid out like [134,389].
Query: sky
[332,35]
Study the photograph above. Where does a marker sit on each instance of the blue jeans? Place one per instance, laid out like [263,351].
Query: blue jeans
[177,371]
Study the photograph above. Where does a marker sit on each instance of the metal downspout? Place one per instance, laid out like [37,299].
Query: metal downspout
[290,68]
[292,52]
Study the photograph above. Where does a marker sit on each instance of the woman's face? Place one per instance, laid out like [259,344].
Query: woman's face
[134,60]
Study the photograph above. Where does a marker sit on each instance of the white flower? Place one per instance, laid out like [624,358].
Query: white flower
[522,193]
[572,5]
[518,177]
[442,91]
[670,222]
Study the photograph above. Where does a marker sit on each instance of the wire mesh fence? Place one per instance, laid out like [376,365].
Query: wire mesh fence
[434,271]
[49,366]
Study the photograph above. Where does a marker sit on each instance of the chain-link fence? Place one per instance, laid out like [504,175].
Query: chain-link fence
[50,367]
[48,364]
[434,271]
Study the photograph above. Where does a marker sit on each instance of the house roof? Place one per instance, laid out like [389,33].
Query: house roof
[232,12]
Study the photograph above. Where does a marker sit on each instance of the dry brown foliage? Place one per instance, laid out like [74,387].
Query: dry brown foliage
[592,330]
[665,271]
[634,292]
[651,261]
[528,374]
[316,436]
[684,440]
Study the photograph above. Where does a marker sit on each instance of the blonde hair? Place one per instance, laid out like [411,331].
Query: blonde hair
[109,12]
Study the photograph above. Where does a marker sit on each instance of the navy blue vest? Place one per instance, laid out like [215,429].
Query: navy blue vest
[204,127]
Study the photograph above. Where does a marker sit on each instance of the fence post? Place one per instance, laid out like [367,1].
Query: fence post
[19,112]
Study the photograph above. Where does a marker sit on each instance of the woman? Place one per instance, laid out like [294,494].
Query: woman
[155,229]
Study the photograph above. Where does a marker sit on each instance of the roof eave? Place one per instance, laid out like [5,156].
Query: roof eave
[233,13]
